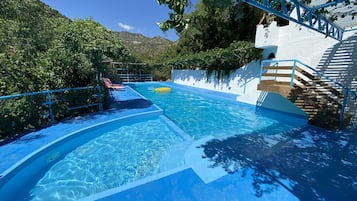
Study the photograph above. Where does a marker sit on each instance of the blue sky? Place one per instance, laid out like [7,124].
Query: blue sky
[136,16]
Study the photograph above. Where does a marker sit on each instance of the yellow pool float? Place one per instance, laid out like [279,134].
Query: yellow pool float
[162,89]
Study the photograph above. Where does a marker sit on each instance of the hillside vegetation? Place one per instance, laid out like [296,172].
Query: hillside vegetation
[144,48]
[41,49]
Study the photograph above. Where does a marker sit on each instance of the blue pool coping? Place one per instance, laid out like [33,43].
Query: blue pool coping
[179,184]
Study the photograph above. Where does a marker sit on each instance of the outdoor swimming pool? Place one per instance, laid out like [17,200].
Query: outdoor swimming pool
[200,114]
[124,151]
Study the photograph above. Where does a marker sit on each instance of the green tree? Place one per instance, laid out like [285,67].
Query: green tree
[208,36]
[41,49]
[81,49]
[27,31]
[178,22]
[77,56]
[217,26]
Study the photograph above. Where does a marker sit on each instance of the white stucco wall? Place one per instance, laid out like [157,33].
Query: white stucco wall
[301,43]
[238,83]
[267,36]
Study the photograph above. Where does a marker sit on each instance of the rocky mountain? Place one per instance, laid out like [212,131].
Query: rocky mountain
[142,46]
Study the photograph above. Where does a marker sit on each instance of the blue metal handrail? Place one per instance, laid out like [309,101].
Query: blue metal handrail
[346,90]
[44,92]
[50,102]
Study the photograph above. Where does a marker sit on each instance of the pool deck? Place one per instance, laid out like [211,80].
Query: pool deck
[307,163]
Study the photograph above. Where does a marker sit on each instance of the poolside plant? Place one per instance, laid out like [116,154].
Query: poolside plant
[19,115]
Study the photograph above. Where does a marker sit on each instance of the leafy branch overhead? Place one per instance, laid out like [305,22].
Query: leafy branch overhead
[176,17]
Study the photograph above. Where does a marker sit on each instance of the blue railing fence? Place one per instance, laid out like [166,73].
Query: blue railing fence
[305,15]
[21,112]
[348,93]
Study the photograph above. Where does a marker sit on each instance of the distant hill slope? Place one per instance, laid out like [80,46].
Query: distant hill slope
[142,46]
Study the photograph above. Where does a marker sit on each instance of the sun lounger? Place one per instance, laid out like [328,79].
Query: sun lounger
[112,86]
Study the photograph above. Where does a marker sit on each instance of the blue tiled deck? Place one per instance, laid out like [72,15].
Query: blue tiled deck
[186,185]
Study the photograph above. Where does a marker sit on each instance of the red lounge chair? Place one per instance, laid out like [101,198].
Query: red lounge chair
[112,86]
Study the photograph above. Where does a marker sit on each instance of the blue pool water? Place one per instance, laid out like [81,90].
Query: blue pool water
[200,115]
[118,154]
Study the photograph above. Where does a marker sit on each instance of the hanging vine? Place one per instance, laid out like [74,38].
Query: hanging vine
[221,61]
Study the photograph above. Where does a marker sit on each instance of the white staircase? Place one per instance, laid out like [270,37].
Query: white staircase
[340,63]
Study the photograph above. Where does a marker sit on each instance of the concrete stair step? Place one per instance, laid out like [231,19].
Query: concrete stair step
[278,67]
[273,82]
[345,50]
[336,64]
[276,74]
[283,89]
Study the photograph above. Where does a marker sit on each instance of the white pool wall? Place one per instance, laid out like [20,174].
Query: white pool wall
[239,82]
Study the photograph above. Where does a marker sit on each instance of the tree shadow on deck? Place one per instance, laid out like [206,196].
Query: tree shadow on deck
[318,165]
[130,104]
